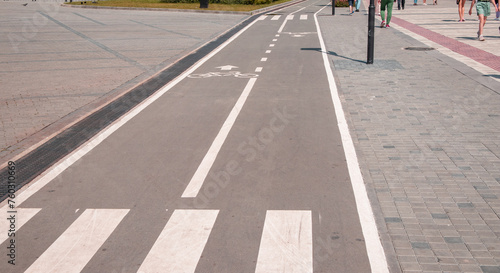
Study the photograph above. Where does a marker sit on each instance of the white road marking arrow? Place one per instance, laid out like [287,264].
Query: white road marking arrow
[227,67]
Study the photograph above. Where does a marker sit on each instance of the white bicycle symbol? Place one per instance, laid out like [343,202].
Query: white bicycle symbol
[236,74]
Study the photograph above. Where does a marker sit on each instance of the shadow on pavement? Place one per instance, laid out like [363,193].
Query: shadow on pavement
[333,54]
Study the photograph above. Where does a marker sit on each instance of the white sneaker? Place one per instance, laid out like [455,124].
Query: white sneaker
[481,38]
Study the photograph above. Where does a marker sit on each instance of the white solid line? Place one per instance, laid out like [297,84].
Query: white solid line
[76,246]
[201,173]
[303,17]
[376,255]
[47,176]
[286,244]
[21,216]
[263,59]
[268,51]
[258,69]
[276,17]
[180,244]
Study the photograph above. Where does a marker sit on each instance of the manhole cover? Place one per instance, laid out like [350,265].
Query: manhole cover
[419,48]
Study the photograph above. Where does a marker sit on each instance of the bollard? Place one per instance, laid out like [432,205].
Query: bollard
[333,7]
[371,32]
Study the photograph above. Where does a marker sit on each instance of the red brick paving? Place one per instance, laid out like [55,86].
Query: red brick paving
[474,53]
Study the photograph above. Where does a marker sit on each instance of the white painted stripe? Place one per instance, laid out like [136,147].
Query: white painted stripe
[286,244]
[76,246]
[258,69]
[268,51]
[263,59]
[276,17]
[288,17]
[376,255]
[21,216]
[303,17]
[271,45]
[78,153]
[274,40]
[277,35]
[262,17]
[201,173]
[180,244]
[283,25]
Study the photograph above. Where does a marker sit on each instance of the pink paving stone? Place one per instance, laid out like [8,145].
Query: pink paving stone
[474,53]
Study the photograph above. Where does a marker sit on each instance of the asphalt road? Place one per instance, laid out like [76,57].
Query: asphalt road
[238,167]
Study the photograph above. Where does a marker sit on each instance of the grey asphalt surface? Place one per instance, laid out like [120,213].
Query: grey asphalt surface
[425,127]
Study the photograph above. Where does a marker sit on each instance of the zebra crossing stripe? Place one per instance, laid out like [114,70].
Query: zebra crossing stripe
[303,17]
[286,244]
[275,17]
[76,246]
[181,243]
[21,216]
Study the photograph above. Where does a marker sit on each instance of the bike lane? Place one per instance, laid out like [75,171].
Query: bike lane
[279,168]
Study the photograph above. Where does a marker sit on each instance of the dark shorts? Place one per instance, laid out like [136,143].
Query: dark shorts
[351,2]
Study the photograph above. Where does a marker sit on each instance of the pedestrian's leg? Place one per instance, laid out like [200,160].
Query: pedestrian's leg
[358,5]
[481,24]
[498,12]
[484,23]
[389,12]
[382,12]
[461,10]
[399,4]
[403,4]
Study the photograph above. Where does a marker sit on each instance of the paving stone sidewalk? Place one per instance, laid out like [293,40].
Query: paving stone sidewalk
[58,64]
[427,132]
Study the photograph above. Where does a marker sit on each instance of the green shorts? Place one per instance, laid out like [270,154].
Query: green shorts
[483,8]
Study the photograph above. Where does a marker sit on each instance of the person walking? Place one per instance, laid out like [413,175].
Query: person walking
[461,10]
[483,11]
[351,4]
[497,18]
[387,4]
[358,5]
[401,4]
